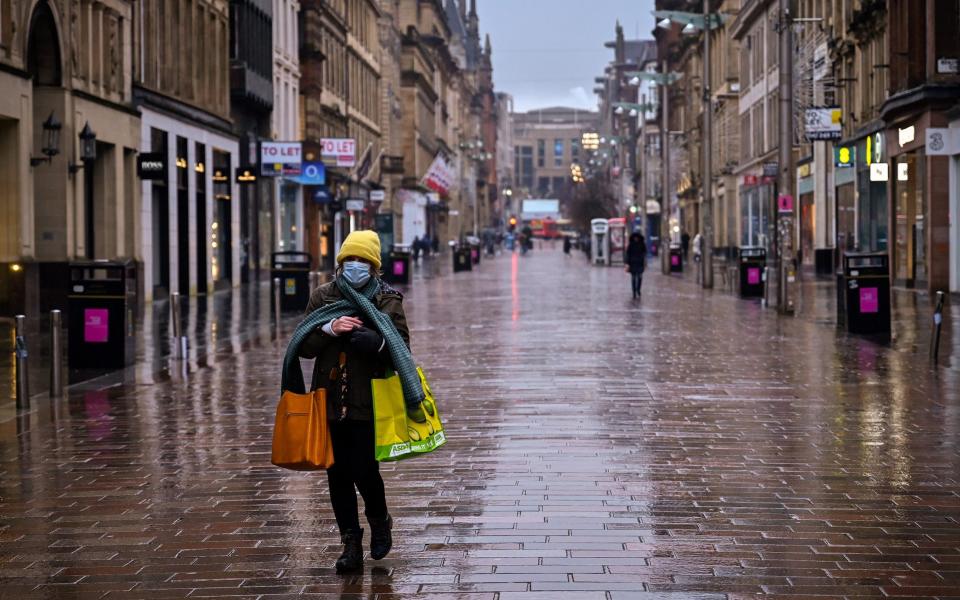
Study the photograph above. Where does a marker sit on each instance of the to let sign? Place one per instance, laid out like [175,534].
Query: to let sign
[340,151]
[280,158]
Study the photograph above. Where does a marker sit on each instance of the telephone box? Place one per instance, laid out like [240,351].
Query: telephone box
[600,242]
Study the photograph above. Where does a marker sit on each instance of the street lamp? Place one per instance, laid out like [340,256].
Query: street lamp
[51,141]
[88,148]
[692,23]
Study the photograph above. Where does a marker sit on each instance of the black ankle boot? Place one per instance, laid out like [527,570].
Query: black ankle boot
[352,557]
[381,538]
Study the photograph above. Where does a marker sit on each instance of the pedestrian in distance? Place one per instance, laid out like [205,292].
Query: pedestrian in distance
[415,248]
[635,260]
[566,246]
[685,243]
[697,247]
[350,351]
[435,244]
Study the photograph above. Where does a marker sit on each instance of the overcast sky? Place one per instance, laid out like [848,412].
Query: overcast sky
[547,52]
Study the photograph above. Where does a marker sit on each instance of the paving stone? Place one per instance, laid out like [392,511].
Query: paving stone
[684,446]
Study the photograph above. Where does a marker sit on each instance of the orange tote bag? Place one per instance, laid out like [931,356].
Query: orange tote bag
[301,434]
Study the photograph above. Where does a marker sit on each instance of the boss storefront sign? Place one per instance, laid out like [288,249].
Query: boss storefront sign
[152,165]
[280,158]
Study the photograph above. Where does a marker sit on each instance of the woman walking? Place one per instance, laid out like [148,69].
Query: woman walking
[350,351]
[635,259]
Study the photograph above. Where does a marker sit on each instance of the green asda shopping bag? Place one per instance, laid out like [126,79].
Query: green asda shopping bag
[396,436]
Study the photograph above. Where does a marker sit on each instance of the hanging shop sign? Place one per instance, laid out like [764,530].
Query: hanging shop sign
[441,175]
[771,169]
[355,204]
[311,173]
[879,172]
[342,152]
[844,157]
[280,158]
[948,65]
[152,165]
[749,180]
[942,141]
[377,195]
[321,195]
[245,175]
[875,148]
[823,123]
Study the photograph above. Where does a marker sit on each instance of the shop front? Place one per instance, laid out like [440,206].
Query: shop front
[845,192]
[872,203]
[190,227]
[919,184]
[756,196]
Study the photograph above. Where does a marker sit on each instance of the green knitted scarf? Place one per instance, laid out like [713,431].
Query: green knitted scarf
[353,303]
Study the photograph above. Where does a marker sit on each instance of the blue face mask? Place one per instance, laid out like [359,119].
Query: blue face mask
[357,273]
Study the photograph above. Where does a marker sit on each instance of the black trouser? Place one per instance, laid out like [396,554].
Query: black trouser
[635,280]
[355,468]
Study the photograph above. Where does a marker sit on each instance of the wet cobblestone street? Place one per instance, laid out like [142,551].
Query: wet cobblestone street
[687,445]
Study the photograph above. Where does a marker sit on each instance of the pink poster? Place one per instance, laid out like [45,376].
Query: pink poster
[398,268]
[753,275]
[675,260]
[95,325]
[869,300]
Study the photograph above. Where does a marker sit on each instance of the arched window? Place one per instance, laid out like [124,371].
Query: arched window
[43,49]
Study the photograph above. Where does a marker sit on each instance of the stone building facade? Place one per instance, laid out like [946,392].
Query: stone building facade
[69,61]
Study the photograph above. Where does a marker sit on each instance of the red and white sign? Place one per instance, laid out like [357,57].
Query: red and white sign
[280,158]
[441,175]
[341,151]
[749,180]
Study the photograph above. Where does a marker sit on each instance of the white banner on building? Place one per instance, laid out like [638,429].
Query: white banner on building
[823,123]
[441,175]
[943,141]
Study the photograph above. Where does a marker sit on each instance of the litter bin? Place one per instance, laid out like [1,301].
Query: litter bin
[863,293]
[676,258]
[100,307]
[398,267]
[293,270]
[461,259]
[751,261]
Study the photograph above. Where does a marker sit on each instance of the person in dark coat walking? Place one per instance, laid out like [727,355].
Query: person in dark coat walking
[566,246]
[685,244]
[349,352]
[635,259]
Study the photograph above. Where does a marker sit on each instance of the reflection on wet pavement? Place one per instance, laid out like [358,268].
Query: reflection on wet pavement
[685,445]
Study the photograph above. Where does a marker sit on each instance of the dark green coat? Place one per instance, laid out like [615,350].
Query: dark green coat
[360,368]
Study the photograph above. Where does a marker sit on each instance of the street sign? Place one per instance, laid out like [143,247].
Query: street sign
[280,158]
[342,151]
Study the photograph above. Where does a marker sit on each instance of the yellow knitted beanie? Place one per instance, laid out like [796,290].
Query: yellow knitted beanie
[362,244]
